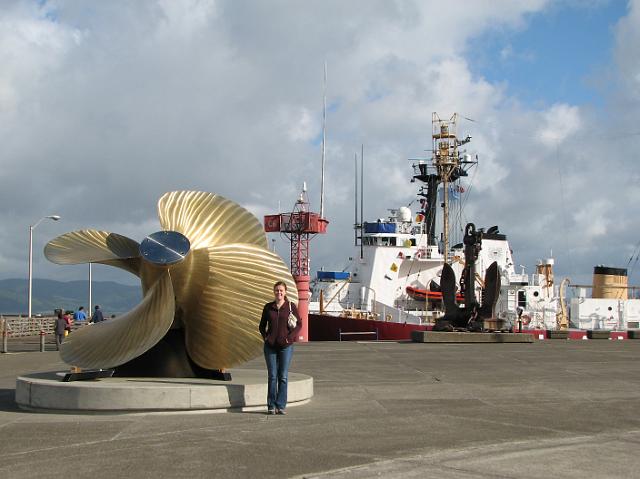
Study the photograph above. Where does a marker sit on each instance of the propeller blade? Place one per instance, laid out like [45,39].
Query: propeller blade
[190,278]
[222,325]
[113,342]
[92,246]
[209,220]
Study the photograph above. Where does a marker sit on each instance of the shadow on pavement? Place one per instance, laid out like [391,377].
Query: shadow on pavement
[8,400]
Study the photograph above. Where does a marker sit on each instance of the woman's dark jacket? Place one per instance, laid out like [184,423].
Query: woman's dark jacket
[60,326]
[273,324]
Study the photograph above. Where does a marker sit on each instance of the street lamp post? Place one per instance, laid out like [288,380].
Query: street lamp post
[90,292]
[31,228]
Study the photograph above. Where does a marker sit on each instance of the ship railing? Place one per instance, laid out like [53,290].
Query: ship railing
[396,315]
[518,278]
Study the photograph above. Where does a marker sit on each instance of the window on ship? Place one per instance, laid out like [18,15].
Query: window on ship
[522,299]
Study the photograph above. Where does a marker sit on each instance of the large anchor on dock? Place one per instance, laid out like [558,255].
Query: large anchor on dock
[471,316]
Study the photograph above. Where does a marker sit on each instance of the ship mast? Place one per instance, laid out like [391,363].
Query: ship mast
[445,159]
[447,166]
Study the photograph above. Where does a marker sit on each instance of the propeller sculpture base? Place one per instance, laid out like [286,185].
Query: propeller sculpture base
[247,392]
[169,359]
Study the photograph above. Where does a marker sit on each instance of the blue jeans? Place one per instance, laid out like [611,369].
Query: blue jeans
[278,361]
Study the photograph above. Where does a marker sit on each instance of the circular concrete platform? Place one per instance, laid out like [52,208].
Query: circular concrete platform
[247,390]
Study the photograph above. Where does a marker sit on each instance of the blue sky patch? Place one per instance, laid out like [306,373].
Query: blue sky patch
[561,55]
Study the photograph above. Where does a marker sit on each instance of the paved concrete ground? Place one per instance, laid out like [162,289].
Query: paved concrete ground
[548,409]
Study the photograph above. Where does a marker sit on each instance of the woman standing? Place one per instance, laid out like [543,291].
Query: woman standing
[279,327]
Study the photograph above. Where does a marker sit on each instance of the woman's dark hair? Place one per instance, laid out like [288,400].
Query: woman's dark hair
[59,314]
[280,283]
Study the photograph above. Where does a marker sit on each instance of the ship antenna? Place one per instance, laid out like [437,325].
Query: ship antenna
[361,198]
[356,223]
[324,129]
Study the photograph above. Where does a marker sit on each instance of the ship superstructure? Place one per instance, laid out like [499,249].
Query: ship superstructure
[394,272]
[613,304]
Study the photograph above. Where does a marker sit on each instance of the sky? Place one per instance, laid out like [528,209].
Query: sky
[105,106]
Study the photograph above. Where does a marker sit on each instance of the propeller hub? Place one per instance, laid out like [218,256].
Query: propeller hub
[165,248]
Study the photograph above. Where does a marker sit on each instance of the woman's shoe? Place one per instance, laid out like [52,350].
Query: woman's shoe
[271,411]
[282,412]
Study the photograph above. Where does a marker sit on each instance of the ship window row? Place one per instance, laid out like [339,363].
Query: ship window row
[387,241]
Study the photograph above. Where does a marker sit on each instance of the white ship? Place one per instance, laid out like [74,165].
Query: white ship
[393,275]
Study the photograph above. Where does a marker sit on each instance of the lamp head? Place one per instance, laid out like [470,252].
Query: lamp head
[54,217]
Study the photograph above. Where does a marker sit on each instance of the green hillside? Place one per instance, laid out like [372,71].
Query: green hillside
[48,295]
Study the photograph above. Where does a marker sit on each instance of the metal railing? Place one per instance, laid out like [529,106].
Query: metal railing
[349,333]
[19,327]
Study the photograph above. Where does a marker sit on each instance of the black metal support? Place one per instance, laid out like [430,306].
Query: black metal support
[88,375]
[519,311]
[471,317]
[168,358]
[220,375]
[472,245]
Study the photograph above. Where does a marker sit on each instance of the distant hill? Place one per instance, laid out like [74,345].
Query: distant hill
[48,295]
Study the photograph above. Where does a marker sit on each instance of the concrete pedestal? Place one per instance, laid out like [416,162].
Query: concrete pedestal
[246,391]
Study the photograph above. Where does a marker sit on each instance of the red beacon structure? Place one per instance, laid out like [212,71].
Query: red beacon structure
[299,227]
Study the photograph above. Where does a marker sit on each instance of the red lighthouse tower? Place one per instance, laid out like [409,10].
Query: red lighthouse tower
[299,227]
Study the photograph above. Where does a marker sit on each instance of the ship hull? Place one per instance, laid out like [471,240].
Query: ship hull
[323,327]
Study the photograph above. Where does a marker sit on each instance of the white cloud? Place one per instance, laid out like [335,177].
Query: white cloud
[104,106]
[558,123]
[32,47]
[594,219]
[506,53]
[300,123]
[627,53]
[185,17]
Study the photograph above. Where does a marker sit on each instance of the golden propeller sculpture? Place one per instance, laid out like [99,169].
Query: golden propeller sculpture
[205,278]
